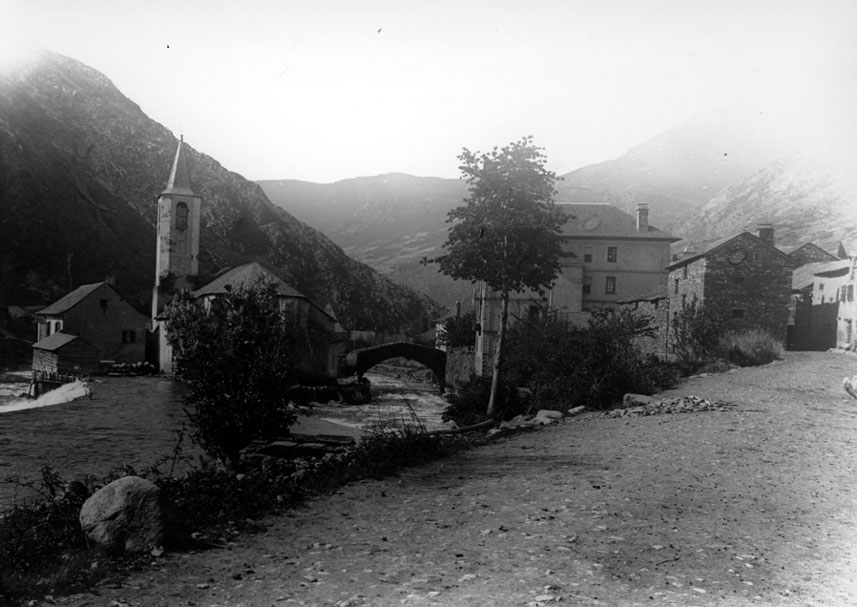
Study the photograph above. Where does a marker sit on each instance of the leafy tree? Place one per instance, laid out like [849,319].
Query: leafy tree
[238,358]
[459,331]
[505,235]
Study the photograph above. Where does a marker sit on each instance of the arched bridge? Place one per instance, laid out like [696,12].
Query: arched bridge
[359,361]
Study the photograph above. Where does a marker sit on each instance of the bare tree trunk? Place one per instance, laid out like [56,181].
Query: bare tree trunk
[493,405]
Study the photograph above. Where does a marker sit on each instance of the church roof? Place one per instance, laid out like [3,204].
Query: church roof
[246,276]
[179,181]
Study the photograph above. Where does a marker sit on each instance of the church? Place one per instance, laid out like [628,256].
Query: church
[177,269]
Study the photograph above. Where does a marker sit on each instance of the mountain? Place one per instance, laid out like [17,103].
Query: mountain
[389,222]
[804,199]
[81,167]
[681,169]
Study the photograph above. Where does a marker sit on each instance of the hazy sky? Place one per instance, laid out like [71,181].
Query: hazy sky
[322,90]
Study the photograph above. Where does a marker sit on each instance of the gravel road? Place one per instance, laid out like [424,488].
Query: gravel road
[756,505]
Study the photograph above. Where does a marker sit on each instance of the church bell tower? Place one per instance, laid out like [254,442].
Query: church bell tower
[177,252]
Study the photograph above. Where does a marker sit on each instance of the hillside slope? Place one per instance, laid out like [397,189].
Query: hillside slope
[81,167]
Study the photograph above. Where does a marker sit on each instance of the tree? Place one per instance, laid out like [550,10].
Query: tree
[238,359]
[458,331]
[505,235]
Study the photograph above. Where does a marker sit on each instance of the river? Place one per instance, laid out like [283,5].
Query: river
[133,421]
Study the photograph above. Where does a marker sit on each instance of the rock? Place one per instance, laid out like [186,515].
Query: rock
[129,515]
[637,400]
[549,414]
[576,410]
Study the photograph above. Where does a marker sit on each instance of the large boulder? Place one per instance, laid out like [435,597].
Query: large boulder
[129,515]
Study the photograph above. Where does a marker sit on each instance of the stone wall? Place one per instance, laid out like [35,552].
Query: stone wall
[658,309]
[460,366]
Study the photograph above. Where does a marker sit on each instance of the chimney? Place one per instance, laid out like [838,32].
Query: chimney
[766,233]
[642,217]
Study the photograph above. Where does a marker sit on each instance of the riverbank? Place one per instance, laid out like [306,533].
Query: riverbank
[753,505]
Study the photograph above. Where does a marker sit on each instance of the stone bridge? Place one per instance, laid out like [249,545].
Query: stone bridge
[359,361]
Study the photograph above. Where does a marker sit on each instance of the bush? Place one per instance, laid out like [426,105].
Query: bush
[594,366]
[695,336]
[467,406]
[239,359]
[750,348]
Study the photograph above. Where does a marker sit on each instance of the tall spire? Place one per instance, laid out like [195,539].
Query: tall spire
[179,181]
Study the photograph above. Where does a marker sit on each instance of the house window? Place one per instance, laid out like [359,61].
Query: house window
[611,254]
[587,285]
[684,272]
[181,216]
[737,313]
[587,254]
[683,301]
[757,257]
[129,337]
[103,304]
[850,292]
[676,286]
[610,285]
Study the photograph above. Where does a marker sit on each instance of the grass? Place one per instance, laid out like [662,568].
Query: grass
[44,552]
[750,348]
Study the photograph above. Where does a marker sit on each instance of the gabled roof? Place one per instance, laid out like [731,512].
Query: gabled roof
[67,302]
[834,269]
[179,181]
[57,340]
[246,276]
[718,244]
[601,220]
[790,251]
[803,276]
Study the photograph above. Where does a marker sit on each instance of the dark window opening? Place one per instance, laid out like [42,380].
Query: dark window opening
[738,313]
[103,304]
[610,285]
[587,254]
[587,285]
[129,337]
[611,254]
[181,216]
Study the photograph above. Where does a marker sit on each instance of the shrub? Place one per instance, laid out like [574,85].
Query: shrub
[467,406]
[695,336]
[750,348]
[239,359]
[594,366]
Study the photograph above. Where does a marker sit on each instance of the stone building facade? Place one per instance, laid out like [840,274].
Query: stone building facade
[744,279]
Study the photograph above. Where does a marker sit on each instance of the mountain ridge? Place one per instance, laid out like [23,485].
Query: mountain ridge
[76,153]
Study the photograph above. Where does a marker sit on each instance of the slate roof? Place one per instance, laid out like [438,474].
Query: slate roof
[67,302]
[602,220]
[246,276]
[57,340]
[713,246]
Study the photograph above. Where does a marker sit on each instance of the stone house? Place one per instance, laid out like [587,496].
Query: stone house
[99,314]
[743,278]
[812,253]
[609,257]
[61,353]
[318,335]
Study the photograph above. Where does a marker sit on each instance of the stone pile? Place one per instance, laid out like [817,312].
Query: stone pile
[639,405]
[295,446]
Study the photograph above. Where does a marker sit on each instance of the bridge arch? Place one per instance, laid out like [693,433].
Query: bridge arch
[360,361]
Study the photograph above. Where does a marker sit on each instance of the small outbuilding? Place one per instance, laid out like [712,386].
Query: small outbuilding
[64,354]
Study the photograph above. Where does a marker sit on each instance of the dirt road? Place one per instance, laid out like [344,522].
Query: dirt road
[754,505]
